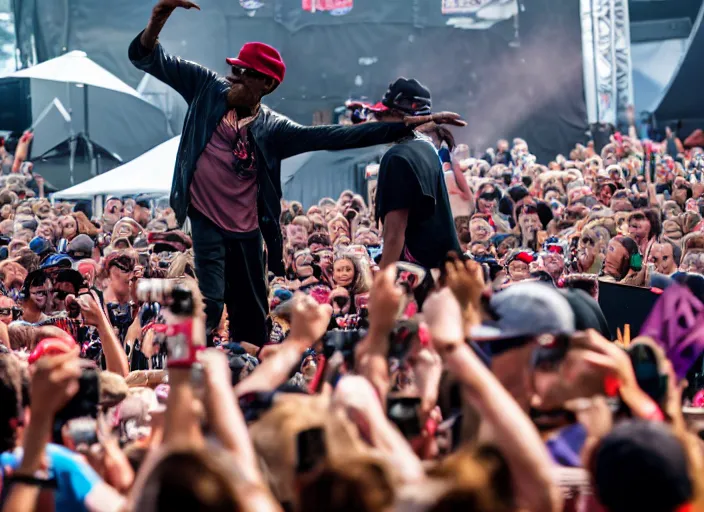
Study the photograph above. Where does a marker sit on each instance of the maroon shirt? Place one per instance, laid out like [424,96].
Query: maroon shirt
[224,186]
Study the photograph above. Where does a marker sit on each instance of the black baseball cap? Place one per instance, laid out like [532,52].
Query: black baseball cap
[408,96]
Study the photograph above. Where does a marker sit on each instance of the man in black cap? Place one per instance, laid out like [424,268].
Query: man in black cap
[411,198]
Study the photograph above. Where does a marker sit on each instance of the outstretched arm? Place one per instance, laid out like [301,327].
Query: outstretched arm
[289,138]
[147,54]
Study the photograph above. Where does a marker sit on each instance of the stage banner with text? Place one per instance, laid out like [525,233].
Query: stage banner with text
[334,7]
[478,14]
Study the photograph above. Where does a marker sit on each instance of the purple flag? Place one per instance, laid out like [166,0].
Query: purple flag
[676,323]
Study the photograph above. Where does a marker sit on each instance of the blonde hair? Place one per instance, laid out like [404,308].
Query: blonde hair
[182,264]
[358,484]
[189,479]
[478,481]
[274,438]
[362,273]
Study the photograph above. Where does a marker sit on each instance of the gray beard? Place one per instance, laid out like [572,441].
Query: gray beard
[240,98]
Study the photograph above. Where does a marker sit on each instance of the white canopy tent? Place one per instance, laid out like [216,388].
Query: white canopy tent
[150,173]
[74,98]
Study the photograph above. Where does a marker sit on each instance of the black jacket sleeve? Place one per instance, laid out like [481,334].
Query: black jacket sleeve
[288,138]
[184,76]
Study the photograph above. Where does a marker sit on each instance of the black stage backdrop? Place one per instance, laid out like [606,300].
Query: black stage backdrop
[624,304]
[509,80]
[682,100]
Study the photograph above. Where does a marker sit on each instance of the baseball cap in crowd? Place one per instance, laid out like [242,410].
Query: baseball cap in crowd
[41,246]
[81,247]
[56,262]
[533,309]
[170,241]
[262,58]
[641,465]
[587,312]
[525,311]
[409,96]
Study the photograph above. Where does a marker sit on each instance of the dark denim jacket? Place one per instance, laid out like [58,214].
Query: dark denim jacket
[275,136]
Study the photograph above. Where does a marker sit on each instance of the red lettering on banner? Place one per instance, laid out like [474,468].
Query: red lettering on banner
[327,5]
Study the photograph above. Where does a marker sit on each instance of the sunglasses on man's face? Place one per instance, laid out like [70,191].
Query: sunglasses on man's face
[555,249]
[251,73]
[16,312]
[121,267]
[61,294]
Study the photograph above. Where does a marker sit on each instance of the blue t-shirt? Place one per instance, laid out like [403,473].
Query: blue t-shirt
[74,477]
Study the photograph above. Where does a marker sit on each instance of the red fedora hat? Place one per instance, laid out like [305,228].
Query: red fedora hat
[262,58]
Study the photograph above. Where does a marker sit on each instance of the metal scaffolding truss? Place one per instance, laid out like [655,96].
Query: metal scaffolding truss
[606,48]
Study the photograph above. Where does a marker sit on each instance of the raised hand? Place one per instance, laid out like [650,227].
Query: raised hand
[443,315]
[173,4]
[160,14]
[54,382]
[466,280]
[606,356]
[309,320]
[90,308]
[428,122]
[385,300]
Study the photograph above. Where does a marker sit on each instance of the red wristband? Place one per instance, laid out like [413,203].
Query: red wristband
[612,385]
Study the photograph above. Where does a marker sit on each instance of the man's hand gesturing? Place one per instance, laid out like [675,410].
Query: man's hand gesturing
[161,12]
[431,121]
[173,4]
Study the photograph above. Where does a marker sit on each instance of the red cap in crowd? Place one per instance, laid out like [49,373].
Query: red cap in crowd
[262,58]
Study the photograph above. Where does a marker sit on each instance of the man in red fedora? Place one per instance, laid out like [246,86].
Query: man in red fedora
[227,178]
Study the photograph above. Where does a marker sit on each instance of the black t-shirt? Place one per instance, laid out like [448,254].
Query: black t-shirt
[411,177]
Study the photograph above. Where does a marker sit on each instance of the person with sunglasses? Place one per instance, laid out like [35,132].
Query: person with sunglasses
[518,265]
[8,310]
[227,177]
[67,282]
[120,270]
[35,297]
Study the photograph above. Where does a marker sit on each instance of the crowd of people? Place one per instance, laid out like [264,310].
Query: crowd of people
[436,346]
[377,389]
